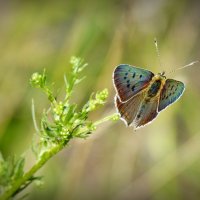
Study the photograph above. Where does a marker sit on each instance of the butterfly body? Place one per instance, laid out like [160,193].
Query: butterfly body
[155,85]
[141,95]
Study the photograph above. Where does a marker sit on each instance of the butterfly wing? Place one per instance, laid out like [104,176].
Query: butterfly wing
[170,93]
[129,109]
[129,80]
[147,112]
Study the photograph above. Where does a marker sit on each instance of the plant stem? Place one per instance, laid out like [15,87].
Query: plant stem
[113,117]
[44,158]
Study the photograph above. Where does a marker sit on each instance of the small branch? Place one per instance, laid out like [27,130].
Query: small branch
[113,117]
[33,117]
[58,125]
[18,183]
[43,159]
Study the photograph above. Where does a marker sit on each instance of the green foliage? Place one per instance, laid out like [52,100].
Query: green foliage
[10,170]
[63,121]
[58,125]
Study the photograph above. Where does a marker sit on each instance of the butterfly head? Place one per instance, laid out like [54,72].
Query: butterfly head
[162,74]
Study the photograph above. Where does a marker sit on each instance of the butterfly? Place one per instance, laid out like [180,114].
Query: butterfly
[141,95]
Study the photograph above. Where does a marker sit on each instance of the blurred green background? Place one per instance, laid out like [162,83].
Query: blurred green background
[159,161]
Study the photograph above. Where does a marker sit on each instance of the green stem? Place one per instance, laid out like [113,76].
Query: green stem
[113,117]
[44,158]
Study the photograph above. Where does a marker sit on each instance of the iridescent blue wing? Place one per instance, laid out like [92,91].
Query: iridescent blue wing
[129,109]
[129,80]
[147,112]
[170,93]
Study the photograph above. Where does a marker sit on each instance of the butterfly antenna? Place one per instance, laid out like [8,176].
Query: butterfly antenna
[185,66]
[157,51]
